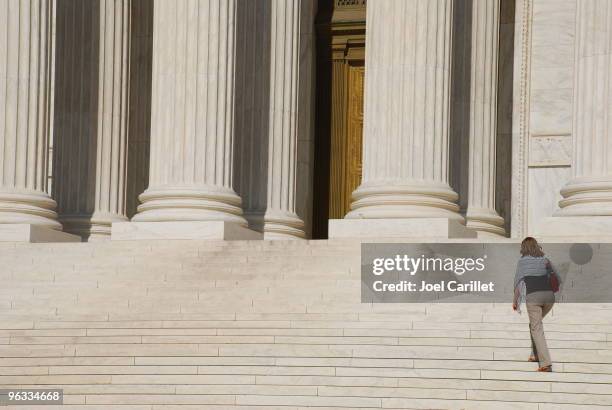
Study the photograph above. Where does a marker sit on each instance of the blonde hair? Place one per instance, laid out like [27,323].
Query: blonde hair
[531,247]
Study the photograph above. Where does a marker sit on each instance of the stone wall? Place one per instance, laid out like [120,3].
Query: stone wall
[543,119]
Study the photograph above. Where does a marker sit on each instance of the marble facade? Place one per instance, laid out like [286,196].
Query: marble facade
[196,119]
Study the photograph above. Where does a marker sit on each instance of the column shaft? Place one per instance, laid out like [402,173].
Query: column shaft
[192,124]
[252,113]
[139,122]
[25,68]
[111,153]
[406,129]
[92,83]
[589,193]
[280,220]
[481,215]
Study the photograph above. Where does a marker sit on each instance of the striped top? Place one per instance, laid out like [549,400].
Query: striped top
[533,271]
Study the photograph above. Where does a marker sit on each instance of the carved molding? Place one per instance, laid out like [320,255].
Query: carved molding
[520,126]
[349,3]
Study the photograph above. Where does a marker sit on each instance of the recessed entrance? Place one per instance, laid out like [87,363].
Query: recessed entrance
[339,116]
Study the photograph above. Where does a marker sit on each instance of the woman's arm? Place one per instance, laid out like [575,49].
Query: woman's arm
[517,288]
[517,295]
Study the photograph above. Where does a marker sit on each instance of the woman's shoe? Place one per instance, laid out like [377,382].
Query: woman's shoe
[533,358]
[545,369]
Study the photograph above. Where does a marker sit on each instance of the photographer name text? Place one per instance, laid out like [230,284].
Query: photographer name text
[442,286]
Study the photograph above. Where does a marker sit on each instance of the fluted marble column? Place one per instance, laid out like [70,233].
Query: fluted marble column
[25,68]
[92,115]
[252,108]
[481,214]
[589,193]
[280,219]
[192,128]
[406,130]
[110,203]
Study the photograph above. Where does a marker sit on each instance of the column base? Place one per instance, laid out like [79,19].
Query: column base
[586,197]
[283,235]
[442,228]
[28,208]
[255,220]
[34,234]
[197,230]
[577,228]
[407,200]
[101,225]
[91,228]
[279,225]
[201,203]
[486,222]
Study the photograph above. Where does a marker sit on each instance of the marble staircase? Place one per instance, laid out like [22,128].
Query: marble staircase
[272,325]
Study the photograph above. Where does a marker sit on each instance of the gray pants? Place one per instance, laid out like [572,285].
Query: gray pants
[538,305]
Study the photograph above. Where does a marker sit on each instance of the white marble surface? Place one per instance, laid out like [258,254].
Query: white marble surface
[423,228]
[546,78]
[217,230]
[552,53]
[551,111]
[578,228]
[34,234]
[544,184]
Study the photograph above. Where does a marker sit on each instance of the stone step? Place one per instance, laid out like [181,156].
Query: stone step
[225,364]
[351,326]
[261,324]
[258,331]
[297,350]
[271,337]
[234,320]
